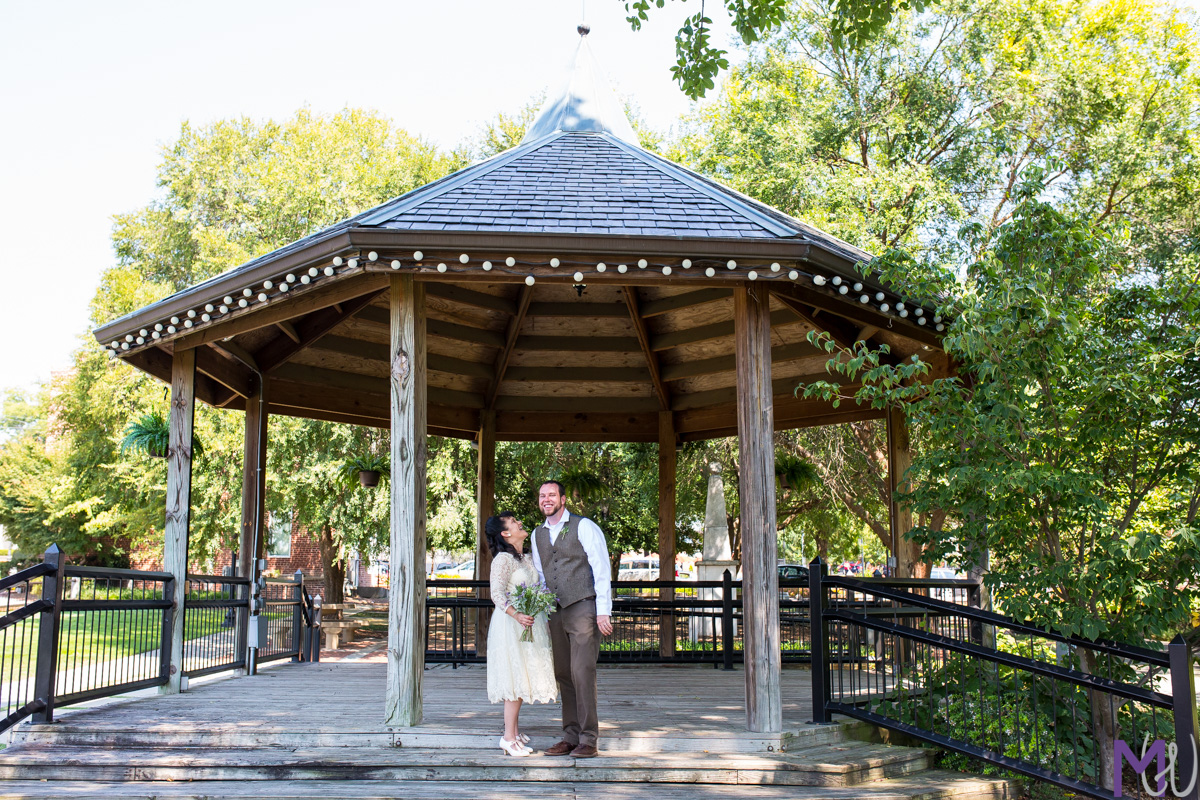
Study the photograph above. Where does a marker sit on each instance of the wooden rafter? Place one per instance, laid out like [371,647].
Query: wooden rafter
[510,341]
[643,336]
[289,330]
[309,330]
[839,331]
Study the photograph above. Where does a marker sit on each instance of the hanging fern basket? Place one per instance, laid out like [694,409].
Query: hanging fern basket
[369,478]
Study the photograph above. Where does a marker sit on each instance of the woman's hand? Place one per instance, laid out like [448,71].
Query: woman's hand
[524,619]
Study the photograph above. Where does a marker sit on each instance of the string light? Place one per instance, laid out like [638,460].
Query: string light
[775,266]
[752,275]
[529,279]
[879,296]
[858,287]
[262,297]
[337,261]
[291,277]
[418,255]
[305,280]
[158,326]
[247,292]
[864,298]
[843,289]
[793,275]
[837,280]
[223,309]
[187,323]
[554,262]
[731,264]
[283,287]
[372,256]
[666,270]
[643,263]
[464,258]
[228,300]
[487,266]
[395,263]
[352,263]
[710,272]
[442,267]
[578,277]
[621,268]
[512,262]
[687,263]
[208,307]
[601,267]
[819,280]
[329,271]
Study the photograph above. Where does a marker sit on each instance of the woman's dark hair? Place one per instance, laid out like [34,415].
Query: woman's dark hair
[494,527]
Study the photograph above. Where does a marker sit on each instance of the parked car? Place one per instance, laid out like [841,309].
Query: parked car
[792,573]
[464,571]
[638,569]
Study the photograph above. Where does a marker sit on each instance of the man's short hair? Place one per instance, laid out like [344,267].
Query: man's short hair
[562,490]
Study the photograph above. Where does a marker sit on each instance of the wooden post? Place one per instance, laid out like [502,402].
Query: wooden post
[179,500]
[899,516]
[666,529]
[406,611]
[485,502]
[756,459]
[252,543]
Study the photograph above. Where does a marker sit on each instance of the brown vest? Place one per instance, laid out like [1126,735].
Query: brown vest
[565,563]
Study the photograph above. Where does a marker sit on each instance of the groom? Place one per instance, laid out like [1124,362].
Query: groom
[572,558]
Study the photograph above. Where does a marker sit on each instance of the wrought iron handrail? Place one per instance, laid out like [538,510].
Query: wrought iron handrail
[967,696]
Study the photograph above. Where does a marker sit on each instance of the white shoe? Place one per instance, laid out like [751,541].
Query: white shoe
[514,748]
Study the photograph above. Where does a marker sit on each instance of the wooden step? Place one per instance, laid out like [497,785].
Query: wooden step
[847,764]
[930,786]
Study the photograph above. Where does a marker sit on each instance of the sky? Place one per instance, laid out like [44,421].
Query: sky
[90,93]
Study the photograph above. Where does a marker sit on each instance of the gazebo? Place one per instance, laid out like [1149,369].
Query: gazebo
[574,288]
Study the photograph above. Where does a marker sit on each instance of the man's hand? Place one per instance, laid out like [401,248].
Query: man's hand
[604,624]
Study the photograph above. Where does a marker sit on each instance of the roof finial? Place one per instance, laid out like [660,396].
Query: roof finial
[584,29]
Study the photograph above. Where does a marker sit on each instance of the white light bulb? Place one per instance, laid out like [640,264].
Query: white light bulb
[155,335]
[143,332]
[731,264]
[710,272]
[921,321]
[228,300]
[111,353]
[753,275]
[666,270]
[329,271]
[687,263]
[819,280]
[940,326]
[643,263]
[395,263]
[187,323]
[141,340]
[903,312]
[601,267]
[372,256]
[115,343]
[864,298]
[900,306]
[124,345]
[554,262]
[578,277]
[352,263]
[158,326]
[920,312]
[793,275]
[879,296]
[224,309]
[937,317]
[337,261]
[858,287]
[442,267]
[313,272]
[262,297]
[283,287]
[418,255]
[205,318]
[621,268]
[247,292]
[243,303]
[843,289]
[209,307]
[775,266]
[191,313]
[512,262]
[837,280]
[464,258]
[487,266]
[305,280]
[268,285]
[170,329]
[529,280]
[884,308]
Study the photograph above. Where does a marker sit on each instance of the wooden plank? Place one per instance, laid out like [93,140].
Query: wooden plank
[470,297]
[643,337]
[756,470]
[406,608]
[666,527]
[728,427]
[319,388]
[179,500]
[577,374]
[463,333]
[285,307]
[309,331]
[715,330]
[225,371]
[593,310]
[899,450]
[510,340]
[485,506]
[711,366]
[459,366]
[251,541]
[289,330]
[666,305]
[357,348]
[716,397]
[581,344]
[614,405]
[576,427]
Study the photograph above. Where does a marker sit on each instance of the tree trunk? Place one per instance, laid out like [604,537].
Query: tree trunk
[333,566]
[614,563]
[1104,726]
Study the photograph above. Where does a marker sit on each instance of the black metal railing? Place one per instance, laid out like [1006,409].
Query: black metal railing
[992,688]
[706,618]
[73,633]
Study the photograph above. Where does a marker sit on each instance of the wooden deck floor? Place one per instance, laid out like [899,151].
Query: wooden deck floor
[643,708]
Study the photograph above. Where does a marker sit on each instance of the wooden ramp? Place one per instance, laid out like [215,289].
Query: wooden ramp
[316,730]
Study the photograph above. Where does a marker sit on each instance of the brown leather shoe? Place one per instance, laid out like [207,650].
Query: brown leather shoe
[585,751]
[563,748]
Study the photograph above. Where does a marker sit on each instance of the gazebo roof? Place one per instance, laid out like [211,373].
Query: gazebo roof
[577,285]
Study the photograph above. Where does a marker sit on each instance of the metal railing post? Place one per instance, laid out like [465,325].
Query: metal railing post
[48,625]
[1183,698]
[168,623]
[817,603]
[727,619]
[314,637]
[298,615]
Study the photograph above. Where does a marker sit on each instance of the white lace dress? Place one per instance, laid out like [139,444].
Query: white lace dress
[517,670]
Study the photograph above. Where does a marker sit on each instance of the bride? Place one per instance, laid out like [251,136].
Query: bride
[516,671]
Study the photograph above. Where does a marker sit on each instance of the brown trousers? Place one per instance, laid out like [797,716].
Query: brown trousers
[576,642]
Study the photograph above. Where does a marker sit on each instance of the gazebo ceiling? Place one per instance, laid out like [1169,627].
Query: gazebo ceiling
[577,286]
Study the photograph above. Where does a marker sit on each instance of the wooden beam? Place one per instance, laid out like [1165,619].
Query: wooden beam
[332,388]
[237,352]
[225,371]
[789,412]
[357,348]
[834,418]
[580,344]
[153,360]
[715,330]
[458,366]
[756,460]
[285,307]
[510,340]
[585,404]
[837,328]
[899,450]
[309,331]
[576,427]
[858,313]
[288,330]
[712,366]
[577,374]
[716,397]
[485,506]
[179,502]
[666,529]
[463,333]
[470,297]
[595,310]
[406,608]
[666,305]
[643,337]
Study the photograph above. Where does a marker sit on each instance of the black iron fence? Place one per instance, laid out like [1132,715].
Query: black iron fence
[700,623]
[989,687]
[72,633]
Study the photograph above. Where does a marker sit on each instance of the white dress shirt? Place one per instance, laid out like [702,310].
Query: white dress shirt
[592,539]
